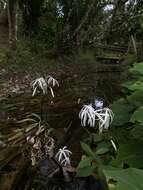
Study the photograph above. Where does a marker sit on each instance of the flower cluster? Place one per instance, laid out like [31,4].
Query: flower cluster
[40,84]
[99,104]
[63,156]
[43,84]
[87,116]
[91,116]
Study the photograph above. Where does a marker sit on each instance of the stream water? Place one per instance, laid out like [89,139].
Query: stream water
[59,113]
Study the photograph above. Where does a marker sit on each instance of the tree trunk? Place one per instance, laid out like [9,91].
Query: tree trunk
[134,44]
[12,22]
[118,10]
[84,19]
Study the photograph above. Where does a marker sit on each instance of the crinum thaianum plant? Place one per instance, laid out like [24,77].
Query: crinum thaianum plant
[43,84]
[98,144]
[63,156]
[52,82]
[42,145]
[96,115]
[39,84]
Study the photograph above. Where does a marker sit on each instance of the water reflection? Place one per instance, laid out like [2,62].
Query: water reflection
[59,112]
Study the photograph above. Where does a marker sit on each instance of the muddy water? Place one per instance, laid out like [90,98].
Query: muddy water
[75,90]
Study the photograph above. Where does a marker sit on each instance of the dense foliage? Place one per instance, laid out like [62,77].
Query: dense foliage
[122,166]
[66,26]
[72,40]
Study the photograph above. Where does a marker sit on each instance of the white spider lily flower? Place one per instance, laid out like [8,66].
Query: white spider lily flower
[63,156]
[114,145]
[87,116]
[105,117]
[66,162]
[98,104]
[41,84]
[52,92]
[52,81]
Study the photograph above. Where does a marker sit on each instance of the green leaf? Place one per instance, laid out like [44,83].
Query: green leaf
[87,150]
[136,98]
[84,172]
[96,138]
[127,84]
[138,67]
[85,162]
[131,154]
[137,132]
[138,85]
[137,116]
[124,179]
[122,111]
[102,151]
[102,148]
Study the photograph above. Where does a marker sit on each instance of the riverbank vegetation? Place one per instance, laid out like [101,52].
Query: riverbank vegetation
[71,83]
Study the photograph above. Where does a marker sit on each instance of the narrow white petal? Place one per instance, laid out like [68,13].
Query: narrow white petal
[52,92]
[34,91]
[114,145]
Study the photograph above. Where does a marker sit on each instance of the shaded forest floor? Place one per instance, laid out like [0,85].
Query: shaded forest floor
[3,37]
[19,68]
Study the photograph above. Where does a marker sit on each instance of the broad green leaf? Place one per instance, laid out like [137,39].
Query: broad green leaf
[131,154]
[124,179]
[121,134]
[85,162]
[102,148]
[138,67]
[136,98]
[122,111]
[84,172]
[87,150]
[96,138]
[137,132]
[127,84]
[138,85]
[138,115]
